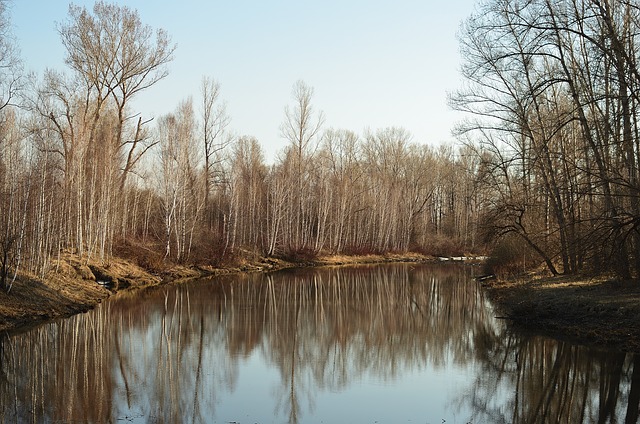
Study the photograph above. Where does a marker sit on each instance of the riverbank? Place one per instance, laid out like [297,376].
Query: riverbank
[72,286]
[75,285]
[591,311]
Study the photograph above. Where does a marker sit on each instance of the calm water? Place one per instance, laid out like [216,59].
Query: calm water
[374,344]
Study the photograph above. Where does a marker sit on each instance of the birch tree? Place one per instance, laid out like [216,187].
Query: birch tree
[12,184]
[117,57]
[12,79]
[215,122]
[181,184]
[248,195]
[113,57]
[301,128]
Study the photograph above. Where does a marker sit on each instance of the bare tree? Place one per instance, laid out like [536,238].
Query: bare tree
[553,89]
[11,74]
[12,183]
[215,121]
[182,188]
[340,154]
[301,128]
[248,194]
[302,124]
[116,56]
[84,119]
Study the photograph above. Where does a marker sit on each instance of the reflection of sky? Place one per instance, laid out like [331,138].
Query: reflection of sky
[415,396]
[251,400]
[419,396]
[254,388]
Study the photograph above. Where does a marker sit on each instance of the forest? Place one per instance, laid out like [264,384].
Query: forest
[552,88]
[546,171]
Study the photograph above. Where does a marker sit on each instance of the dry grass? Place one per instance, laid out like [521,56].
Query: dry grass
[372,258]
[31,300]
[68,289]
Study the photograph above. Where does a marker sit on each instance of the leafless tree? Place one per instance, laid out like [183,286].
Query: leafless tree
[12,78]
[552,88]
[215,122]
[85,118]
[116,56]
[182,189]
[301,128]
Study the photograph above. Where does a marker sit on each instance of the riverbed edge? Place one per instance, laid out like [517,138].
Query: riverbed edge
[595,311]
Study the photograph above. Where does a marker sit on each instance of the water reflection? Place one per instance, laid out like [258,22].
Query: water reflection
[555,382]
[181,354]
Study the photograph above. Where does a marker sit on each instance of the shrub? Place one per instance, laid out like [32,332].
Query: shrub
[211,250]
[148,256]
[507,258]
[442,245]
[299,254]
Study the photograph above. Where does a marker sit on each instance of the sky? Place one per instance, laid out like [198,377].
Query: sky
[371,63]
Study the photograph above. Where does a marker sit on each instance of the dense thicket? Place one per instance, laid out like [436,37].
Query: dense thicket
[81,171]
[553,86]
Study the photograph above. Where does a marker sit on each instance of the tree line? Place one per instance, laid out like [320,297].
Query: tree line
[552,88]
[547,171]
[82,171]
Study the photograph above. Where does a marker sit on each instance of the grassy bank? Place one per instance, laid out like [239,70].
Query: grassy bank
[72,286]
[594,311]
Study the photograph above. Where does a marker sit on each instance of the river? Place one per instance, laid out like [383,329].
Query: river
[401,343]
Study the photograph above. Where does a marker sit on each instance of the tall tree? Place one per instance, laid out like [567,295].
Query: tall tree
[15,184]
[113,57]
[11,75]
[553,86]
[180,182]
[215,121]
[301,128]
[116,56]
[248,194]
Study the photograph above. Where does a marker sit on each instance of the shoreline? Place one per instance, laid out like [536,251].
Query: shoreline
[78,285]
[596,312]
[591,311]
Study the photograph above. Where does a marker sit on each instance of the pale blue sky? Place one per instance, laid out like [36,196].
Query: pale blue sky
[372,64]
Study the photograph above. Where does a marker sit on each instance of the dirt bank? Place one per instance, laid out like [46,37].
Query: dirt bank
[593,311]
[72,286]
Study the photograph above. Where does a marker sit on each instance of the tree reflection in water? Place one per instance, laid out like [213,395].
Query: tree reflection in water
[555,382]
[173,354]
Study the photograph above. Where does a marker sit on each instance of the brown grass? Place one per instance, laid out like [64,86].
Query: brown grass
[32,300]
[68,289]
[328,259]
